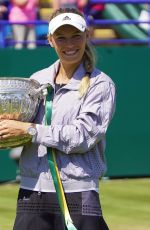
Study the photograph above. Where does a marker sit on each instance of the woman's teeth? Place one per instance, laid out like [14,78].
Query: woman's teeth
[70,52]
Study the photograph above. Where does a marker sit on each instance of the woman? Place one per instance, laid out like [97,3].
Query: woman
[83,105]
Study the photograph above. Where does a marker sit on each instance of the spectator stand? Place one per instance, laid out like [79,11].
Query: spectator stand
[123,17]
[45,11]
[94,11]
[119,25]
[5,32]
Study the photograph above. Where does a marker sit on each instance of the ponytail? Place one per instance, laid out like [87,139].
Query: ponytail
[88,63]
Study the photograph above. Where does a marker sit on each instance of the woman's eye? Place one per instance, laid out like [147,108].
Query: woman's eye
[77,36]
[60,38]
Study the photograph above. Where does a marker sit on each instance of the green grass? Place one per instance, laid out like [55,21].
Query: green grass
[125,203]
[8,198]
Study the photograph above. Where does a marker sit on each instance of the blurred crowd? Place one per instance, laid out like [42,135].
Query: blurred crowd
[18,12]
[18,28]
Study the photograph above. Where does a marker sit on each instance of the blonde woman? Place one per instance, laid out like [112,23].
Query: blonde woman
[83,103]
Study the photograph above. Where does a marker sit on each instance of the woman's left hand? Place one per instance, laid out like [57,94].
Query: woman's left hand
[13,128]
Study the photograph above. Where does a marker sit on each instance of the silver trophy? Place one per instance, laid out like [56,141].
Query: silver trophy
[19,100]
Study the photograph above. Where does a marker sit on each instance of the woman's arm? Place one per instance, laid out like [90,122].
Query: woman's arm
[88,128]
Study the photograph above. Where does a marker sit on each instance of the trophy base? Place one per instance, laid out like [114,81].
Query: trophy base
[15,142]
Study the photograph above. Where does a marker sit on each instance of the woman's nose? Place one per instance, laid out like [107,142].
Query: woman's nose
[69,42]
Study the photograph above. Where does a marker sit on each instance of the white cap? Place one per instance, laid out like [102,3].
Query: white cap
[67,19]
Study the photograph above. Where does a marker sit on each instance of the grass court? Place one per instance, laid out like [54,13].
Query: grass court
[125,203]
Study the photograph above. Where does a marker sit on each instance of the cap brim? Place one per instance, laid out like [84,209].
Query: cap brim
[78,26]
[71,19]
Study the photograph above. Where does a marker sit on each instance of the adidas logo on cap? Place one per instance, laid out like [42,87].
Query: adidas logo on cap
[66,18]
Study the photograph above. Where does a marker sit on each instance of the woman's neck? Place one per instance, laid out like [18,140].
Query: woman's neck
[65,73]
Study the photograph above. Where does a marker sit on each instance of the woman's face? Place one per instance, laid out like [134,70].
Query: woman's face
[69,44]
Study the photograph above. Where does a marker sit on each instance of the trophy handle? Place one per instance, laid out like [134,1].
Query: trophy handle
[40,92]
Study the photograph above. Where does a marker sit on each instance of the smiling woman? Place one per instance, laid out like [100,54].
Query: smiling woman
[69,38]
[69,44]
[61,167]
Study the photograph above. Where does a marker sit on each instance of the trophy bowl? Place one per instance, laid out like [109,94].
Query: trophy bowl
[19,100]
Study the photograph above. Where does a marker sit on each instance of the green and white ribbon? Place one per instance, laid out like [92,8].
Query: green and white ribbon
[54,169]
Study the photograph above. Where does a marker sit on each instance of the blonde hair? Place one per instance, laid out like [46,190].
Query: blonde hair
[88,56]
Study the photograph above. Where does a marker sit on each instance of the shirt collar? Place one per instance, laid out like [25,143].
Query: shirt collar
[74,82]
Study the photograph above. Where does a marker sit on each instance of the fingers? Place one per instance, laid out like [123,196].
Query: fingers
[1,137]
[2,125]
[13,128]
[8,124]
[4,134]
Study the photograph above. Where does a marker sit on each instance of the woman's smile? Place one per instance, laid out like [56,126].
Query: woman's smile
[70,53]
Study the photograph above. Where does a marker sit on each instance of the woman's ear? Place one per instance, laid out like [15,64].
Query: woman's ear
[50,41]
[88,35]
[51,44]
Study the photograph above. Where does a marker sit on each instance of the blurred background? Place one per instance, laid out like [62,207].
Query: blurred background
[120,35]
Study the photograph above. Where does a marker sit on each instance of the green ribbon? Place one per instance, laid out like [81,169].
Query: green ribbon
[54,169]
